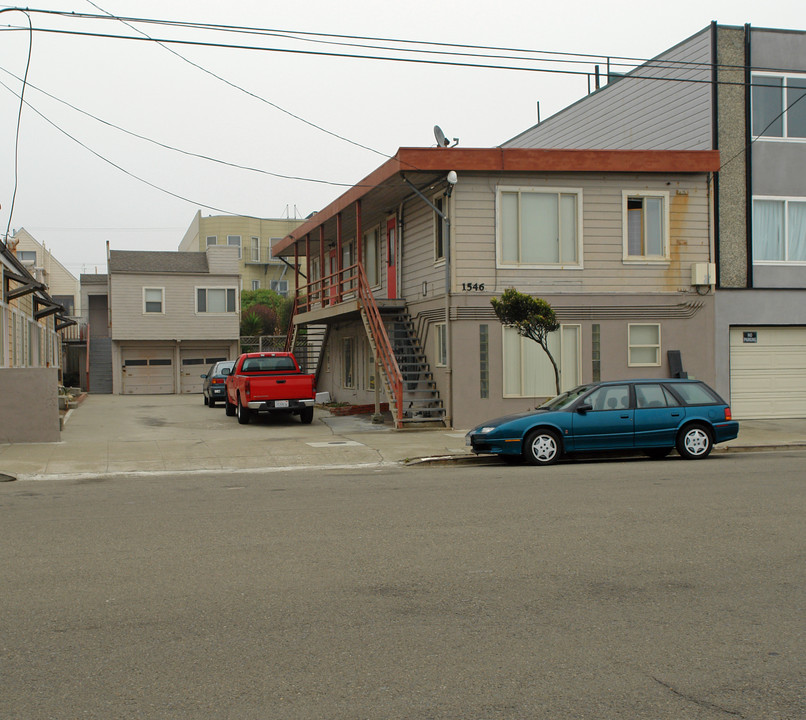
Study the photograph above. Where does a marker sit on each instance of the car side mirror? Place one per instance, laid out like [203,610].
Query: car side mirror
[582,409]
[203,377]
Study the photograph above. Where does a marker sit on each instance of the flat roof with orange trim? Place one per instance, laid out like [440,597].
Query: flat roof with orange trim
[413,160]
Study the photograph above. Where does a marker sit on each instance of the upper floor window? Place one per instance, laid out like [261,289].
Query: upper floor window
[27,256]
[212,240]
[779,230]
[154,300]
[255,247]
[646,226]
[67,302]
[255,284]
[439,228]
[272,243]
[235,240]
[779,106]
[539,227]
[215,300]
[280,287]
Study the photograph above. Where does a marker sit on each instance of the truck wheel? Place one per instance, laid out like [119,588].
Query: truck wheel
[306,415]
[243,413]
[229,408]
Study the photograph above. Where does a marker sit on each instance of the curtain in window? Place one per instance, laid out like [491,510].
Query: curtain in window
[797,230]
[509,227]
[768,230]
[568,228]
[635,227]
[540,230]
[653,211]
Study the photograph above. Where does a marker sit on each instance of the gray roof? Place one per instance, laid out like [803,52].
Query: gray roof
[143,261]
[93,278]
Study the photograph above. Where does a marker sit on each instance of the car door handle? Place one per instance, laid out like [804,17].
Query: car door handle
[676,414]
[625,417]
[281,382]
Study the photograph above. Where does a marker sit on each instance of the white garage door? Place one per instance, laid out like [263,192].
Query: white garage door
[194,364]
[768,372]
[147,371]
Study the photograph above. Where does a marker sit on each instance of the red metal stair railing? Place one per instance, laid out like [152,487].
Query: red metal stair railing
[383,348]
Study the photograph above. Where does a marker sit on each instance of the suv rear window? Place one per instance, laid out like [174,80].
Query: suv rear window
[694,393]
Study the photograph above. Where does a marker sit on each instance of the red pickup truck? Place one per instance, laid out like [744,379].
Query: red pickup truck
[269,382]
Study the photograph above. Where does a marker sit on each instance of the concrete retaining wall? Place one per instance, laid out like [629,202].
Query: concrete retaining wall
[29,405]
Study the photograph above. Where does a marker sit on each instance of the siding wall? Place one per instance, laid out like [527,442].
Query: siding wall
[418,263]
[474,235]
[637,113]
[180,320]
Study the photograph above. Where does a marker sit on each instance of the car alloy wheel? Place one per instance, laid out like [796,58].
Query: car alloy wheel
[694,442]
[542,447]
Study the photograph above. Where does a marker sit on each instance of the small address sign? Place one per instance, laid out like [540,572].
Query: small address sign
[472,287]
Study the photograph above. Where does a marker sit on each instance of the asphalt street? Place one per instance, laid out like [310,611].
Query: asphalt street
[608,589]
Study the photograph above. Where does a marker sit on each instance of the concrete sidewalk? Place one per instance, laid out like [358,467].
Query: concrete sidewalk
[129,435]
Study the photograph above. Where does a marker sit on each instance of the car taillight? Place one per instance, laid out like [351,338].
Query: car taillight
[246,388]
[727,414]
[217,381]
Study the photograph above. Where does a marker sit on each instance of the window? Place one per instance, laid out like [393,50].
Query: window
[215,300]
[439,228]
[153,300]
[67,302]
[484,361]
[528,372]
[441,339]
[779,106]
[27,256]
[255,284]
[235,240]
[779,230]
[609,397]
[280,287]
[372,256]
[646,226]
[348,362]
[255,247]
[212,240]
[694,393]
[644,345]
[539,227]
[272,242]
[653,396]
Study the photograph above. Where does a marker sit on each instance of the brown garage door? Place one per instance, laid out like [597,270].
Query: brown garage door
[148,371]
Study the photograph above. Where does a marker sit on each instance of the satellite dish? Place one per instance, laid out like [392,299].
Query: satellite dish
[442,141]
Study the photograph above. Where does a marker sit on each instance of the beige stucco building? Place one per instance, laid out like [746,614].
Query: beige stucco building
[254,238]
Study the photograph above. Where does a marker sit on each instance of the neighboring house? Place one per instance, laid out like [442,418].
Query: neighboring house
[254,238]
[172,314]
[609,238]
[30,354]
[740,90]
[61,284]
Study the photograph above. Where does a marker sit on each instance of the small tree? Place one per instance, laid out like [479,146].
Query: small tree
[281,305]
[532,317]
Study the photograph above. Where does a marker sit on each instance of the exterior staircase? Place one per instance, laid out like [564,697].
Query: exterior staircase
[307,343]
[100,380]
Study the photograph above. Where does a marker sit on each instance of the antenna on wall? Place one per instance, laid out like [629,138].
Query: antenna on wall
[442,141]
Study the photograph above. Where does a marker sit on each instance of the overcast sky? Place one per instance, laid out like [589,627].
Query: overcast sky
[74,199]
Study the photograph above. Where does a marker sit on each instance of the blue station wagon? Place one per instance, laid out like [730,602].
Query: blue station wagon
[649,416]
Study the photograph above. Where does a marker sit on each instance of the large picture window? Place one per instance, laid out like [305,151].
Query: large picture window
[779,230]
[646,226]
[215,300]
[779,106]
[539,227]
[527,369]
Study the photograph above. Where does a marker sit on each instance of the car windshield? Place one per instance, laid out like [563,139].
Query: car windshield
[565,399]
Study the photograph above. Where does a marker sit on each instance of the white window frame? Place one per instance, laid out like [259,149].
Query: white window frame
[272,242]
[376,242]
[345,342]
[441,344]
[255,284]
[631,345]
[785,200]
[499,251]
[275,285]
[207,288]
[254,249]
[628,259]
[785,117]
[526,342]
[162,301]
[214,238]
[237,244]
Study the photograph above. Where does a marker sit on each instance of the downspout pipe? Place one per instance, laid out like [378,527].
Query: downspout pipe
[451,179]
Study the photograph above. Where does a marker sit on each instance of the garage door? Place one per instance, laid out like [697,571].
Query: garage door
[147,371]
[768,372]
[194,364]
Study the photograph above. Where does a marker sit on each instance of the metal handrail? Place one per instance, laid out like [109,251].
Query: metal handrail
[383,347]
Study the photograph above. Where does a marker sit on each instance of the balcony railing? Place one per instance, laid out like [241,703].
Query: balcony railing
[329,290]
